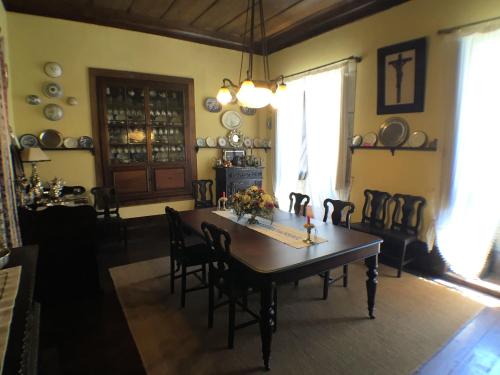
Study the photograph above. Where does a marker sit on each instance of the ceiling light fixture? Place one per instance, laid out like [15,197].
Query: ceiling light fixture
[254,93]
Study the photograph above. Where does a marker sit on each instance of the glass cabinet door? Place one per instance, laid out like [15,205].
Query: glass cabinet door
[126,124]
[166,113]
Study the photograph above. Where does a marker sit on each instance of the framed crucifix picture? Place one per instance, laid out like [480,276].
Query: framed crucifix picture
[401,77]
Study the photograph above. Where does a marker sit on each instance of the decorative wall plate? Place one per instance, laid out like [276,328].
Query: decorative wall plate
[211,142]
[393,132]
[257,142]
[53,69]
[72,100]
[357,140]
[247,141]
[52,90]
[53,112]
[370,139]
[248,111]
[235,138]
[417,139]
[212,105]
[200,142]
[85,142]
[33,99]
[28,140]
[51,138]
[222,141]
[70,142]
[231,120]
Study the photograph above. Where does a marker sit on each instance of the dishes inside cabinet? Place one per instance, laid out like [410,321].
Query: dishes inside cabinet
[370,139]
[417,139]
[28,140]
[357,140]
[51,138]
[393,132]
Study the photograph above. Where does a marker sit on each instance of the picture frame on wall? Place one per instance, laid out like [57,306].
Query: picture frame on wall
[401,77]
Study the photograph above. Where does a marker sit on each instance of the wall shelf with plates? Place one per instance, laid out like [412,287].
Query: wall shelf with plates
[230,148]
[394,149]
[91,149]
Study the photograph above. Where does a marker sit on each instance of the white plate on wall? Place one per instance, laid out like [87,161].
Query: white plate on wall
[222,141]
[211,142]
[370,139]
[417,139]
[231,120]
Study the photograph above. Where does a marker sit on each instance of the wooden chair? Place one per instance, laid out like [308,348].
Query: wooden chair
[299,203]
[405,225]
[374,212]
[107,207]
[224,275]
[202,188]
[340,210]
[67,264]
[196,255]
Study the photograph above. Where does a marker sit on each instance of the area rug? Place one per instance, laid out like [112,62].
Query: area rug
[415,317]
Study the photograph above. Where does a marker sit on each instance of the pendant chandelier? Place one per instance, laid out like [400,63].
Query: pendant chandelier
[253,93]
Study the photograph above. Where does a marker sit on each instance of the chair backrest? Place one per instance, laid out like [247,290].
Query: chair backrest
[407,214]
[375,207]
[175,232]
[340,209]
[299,203]
[202,193]
[105,201]
[67,263]
[74,190]
[219,243]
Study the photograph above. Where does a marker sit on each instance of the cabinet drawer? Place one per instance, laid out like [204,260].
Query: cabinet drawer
[169,178]
[130,181]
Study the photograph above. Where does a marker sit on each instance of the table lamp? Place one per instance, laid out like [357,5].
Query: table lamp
[34,155]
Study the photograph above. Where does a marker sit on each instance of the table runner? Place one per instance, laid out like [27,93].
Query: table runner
[9,285]
[288,235]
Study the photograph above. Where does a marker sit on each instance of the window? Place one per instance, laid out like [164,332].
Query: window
[314,125]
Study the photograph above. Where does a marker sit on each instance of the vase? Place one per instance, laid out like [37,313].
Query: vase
[253,219]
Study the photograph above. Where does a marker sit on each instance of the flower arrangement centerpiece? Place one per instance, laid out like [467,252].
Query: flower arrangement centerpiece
[253,201]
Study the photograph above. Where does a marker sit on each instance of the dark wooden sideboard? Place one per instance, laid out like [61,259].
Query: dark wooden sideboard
[231,180]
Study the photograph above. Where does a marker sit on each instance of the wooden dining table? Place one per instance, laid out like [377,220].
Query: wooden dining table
[267,262]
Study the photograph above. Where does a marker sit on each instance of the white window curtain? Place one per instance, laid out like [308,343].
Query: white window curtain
[312,136]
[470,206]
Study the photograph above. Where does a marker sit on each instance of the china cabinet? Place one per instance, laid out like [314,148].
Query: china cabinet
[144,131]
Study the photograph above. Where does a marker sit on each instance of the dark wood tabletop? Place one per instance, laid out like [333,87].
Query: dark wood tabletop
[264,254]
[267,262]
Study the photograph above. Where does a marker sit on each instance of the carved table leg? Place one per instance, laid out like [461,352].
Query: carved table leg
[371,283]
[266,322]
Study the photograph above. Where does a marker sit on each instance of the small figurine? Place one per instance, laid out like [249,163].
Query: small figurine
[56,187]
[221,203]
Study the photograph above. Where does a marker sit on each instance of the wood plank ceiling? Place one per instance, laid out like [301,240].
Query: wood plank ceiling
[213,22]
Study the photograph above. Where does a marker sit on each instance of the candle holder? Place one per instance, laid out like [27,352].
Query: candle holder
[308,227]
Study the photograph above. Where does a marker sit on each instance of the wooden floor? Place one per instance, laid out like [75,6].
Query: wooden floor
[474,350]
[93,337]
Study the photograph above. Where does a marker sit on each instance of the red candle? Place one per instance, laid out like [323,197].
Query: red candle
[308,220]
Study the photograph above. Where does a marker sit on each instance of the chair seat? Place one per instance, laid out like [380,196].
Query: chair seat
[195,255]
[238,287]
[367,228]
[387,234]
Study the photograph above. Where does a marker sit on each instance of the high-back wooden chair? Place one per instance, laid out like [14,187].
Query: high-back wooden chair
[196,255]
[203,193]
[341,212]
[107,207]
[299,203]
[224,276]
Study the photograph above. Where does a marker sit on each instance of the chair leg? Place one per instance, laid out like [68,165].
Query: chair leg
[275,303]
[172,274]
[204,274]
[296,283]
[210,301]
[326,284]
[346,273]
[232,317]
[402,261]
[244,300]
[183,286]
[125,237]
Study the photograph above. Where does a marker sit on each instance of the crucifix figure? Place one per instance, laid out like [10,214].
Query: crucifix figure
[398,66]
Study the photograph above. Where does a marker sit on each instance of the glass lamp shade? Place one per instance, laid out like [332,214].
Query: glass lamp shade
[277,98]
[224,95]
[254,96]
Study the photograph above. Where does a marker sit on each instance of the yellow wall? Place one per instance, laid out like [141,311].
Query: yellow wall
[78,46]
[406,172]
